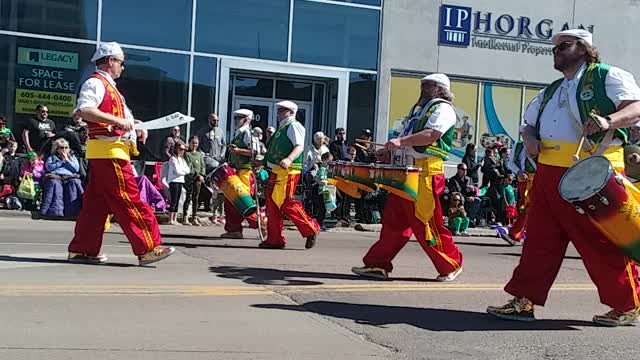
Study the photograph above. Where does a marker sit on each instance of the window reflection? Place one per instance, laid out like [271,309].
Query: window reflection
[293,90]
[362,103]
[204,92]
[364,2]
[159,23]
[251,28]
[70,18]
[155,84]
[335,35]
[257,87]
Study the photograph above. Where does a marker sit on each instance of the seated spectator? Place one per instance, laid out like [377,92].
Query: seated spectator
[5,135]
[458,220]
[34,167]
[62,194]
[463,184]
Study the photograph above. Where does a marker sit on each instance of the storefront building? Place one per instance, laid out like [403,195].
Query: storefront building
[497,53]
[197,57]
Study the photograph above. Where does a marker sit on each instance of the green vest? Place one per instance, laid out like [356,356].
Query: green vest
[529,166]
[440,147]
[238,161]
[591,97]
[280,146]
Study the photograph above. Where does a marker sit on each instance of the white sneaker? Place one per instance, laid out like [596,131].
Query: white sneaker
[450,276]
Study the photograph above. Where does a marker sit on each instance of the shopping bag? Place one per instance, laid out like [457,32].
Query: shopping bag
[26,189]
[329,197]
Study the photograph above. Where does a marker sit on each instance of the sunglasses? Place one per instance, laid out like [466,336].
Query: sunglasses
[121,62]
[63,147]
[564,46]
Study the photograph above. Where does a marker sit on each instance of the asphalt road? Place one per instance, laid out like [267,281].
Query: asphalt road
[227,299]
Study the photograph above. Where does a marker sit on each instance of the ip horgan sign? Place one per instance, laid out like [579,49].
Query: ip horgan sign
[460,26]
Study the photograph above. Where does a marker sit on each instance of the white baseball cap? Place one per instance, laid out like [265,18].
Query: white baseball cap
[288,105]
[576,33]
[107,49]
[441,79]
[244,112]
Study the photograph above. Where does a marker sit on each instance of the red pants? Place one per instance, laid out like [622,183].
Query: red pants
[291,208]
[519,227]
[112,189]
[233,218]
[399,222]
[552,223]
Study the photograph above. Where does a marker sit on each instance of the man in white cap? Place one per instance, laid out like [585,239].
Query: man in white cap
[284,158]
[239,157]
[427,137]
[591,99]
[112,186]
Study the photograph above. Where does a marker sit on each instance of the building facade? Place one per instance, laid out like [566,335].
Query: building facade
[197,57]
[497,53]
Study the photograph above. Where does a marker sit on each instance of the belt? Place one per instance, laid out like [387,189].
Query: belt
[560,153]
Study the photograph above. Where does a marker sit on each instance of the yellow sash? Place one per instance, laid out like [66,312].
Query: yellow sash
[279,193]
[109,149]
[559,153]
[425,203]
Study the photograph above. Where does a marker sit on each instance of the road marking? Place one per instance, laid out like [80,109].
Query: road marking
[218,290]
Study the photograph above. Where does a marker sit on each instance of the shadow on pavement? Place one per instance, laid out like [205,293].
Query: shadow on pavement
[482,244]
[265,276]
[518,255]
[224,246]
[57,261]
[424,318]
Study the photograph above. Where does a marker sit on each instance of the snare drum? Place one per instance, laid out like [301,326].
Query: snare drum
[597,191]
[224,177]
[362,175]
[399,180]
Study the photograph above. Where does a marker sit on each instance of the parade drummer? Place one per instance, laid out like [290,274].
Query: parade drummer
[524,167]
[112,188]
[427,136]
[555,120]
[239,157]
[284,159]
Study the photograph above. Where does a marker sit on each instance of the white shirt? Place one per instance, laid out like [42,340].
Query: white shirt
[561,117]
[442,119]
[314,156]
[178,168]
[91,95]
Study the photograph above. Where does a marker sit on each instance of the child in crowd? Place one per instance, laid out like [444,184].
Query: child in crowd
[458,220]
[321,178]
[193,181]
[34,167]
[509,198]
[178,168]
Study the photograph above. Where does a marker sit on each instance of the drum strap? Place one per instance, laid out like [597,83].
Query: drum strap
[425,204]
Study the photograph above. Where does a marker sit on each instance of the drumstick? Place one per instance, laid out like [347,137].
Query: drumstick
[554,147]
[368,142]
[576,156]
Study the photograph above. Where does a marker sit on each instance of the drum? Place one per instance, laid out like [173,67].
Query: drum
[224,177]
[346,187]
[399,180]
[596,191]
[362,175]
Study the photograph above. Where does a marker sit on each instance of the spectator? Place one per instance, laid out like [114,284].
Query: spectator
[38,130]
[62,194]
[269,133]
[11,165]
[314,154]
[490,170]
[256,143]
[503,162]
[178,168]
[212,143]
[193,181]
[170,142]
[352,153]
[321,180]
[469,159]
[339,148]
[5,135]
[365,152]
[509,196]
[461,183]
[35,168]
[458,220]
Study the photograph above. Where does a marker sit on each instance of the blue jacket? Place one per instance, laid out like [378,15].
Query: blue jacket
[56,165]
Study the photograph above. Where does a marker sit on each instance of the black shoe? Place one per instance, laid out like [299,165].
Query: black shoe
[311,241]
[266,245]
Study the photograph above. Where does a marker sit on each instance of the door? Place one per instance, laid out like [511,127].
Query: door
[262,111]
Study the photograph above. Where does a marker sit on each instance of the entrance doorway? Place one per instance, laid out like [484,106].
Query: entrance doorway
[264,112]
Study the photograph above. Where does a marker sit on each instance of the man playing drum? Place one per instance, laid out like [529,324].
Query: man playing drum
[284,159]
[555,121]
[239,157]
[524,167]
[428,136]
[112,187]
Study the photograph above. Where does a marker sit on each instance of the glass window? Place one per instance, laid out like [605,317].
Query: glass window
[335,35]
[318,107]
[250,28]
[293,90]
[203,98]
[246,86]
[35,71]
[466,105]
[364,2]
[155,84]
[500,114]
[69,18]
[165,24]
[362,104]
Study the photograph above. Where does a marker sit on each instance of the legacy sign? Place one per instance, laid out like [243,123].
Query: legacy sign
[460,26]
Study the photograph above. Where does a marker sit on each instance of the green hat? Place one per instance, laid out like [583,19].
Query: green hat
[31,155]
